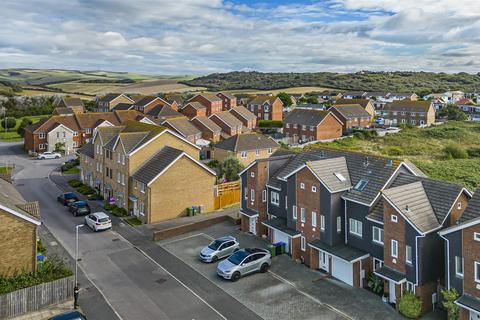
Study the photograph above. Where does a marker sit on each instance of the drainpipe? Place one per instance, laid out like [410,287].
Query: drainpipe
[416,258]
[345,228]
[448,261]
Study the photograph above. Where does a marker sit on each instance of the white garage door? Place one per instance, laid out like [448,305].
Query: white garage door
[281,237]
[342,270]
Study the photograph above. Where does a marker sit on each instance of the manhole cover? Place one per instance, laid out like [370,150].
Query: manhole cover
[116,239]
[160,281]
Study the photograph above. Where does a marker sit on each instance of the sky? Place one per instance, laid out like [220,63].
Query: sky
[206,36]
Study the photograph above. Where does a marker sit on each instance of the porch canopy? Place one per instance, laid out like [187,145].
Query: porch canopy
[390,274]
[341,251]
[469,302]
[280,224]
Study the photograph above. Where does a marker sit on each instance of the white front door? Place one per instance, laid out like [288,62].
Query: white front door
[391,289]
[265,116]
[324,261]
[253,225]
[135,209]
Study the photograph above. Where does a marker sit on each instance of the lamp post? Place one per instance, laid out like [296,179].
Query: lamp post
[76,251]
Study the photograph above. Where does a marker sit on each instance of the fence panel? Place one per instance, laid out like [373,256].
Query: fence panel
[227,194]
[34,298]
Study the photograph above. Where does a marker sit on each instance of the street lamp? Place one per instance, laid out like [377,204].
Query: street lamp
[76,251]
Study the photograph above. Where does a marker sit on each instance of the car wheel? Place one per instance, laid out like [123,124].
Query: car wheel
[42,158]
[214,259]
[95,229]
[74,214]
[57,157]
[235,276]
[264,268]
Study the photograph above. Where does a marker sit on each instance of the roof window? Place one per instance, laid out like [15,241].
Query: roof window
[360,186]
[340,176]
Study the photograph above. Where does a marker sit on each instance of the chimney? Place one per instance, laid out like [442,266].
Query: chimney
[407,208]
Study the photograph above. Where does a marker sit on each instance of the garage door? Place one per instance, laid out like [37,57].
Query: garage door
[342,270]
[281,237]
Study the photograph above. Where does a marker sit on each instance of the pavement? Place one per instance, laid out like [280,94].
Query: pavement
[48,312]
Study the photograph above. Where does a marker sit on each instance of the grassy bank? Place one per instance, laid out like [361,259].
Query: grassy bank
[12,134]
[426,149]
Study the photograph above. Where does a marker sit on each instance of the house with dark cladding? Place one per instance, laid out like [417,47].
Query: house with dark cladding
[462,259]
[354,216]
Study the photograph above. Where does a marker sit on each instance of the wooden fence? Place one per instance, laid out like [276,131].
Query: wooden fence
[34,298]
[227,194]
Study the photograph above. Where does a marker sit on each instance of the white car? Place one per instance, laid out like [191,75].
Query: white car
[98,221]
[49,155]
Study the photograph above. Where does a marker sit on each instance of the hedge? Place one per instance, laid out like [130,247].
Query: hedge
[74,183]
[270,123]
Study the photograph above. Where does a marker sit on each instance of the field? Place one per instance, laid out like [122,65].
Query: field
[11,134]
[426,149]
[292,90]
[156,86]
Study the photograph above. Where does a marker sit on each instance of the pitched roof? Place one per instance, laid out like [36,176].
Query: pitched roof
[163,111]
[73,102]
[196,105]
[183,126]
[63,111]
[243,112]
[210,96]
[123,106]
[227,118]
[258,100]
[332,172]
[362,102]
[349,111]
[170,97]
[87,149]
[355,93]
[246,142]
[228,95]
[207,123]
[107,133]
[111,96]
[412,201]
[377,94]
[132,140]
[91,119]
[408,105]
[313,106]
[306,117]
[473,209]
[12,202]
[48,124]
[401,94]
[142,102]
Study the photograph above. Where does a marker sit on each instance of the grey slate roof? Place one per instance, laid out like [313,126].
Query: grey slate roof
[73,102]
[196,105]
[408,105]
[350,111]
[469,301]
[123,106]
[160,111]
[333,172]
[342,251]
[156,164]
[362,102]
[183,126]
[132,140]
[473,209]
[243,112]
[108,133]
[281,225]
[246,142]
[377,211]
[87,149]
[208,123]
[390,274]
[306,117]
[412,201]
[227,118]
[145,100]
[311,106]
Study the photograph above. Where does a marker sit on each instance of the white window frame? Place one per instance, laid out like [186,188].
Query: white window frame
[394,244]
[118,158]
[118,176]
[476,236]
[264,195]
[314,189]
[41,146]
[302,185]
[410,286]
[322,222]
[286,202]
[380,263]
[274,198]
[302,243]
[339,224]
[252,174]
[270,151]
[252,195]
[380,234]
[356,227]
[302,215]
[243,154]
[476,266]
[41,135]
[408,259]
[88,130]
[142,187]
[294,213]
[257,152]
[394,218]
[287,125]
[459,263]
[314,219]
[123,159]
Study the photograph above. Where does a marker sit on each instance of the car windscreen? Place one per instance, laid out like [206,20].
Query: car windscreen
[215,244]
[238,257]
[70,196]
[83,209]
[103,220]
[81,204]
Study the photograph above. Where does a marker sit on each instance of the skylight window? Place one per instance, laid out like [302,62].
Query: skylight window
[340,176]
[360,186]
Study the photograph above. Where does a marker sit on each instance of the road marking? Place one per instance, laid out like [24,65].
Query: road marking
[103,295]
[341,313]
[181,239]
[171,275]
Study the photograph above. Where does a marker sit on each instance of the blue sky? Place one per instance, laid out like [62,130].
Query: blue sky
[205,36]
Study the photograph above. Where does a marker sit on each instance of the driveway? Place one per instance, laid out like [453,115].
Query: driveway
[288,291]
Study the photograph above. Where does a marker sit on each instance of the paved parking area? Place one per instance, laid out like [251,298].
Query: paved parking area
[288,291]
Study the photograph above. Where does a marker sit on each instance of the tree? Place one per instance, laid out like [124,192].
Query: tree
[302,100]
[312,99]
[230,169]
[60,147]
[8,123]
[449,297]
[287,101]
[25,122]
[452,112]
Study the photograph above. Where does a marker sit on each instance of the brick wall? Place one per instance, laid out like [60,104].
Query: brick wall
[425,292]
[395,231]
[471,254]
[257,183]
[458,209]
[191,112]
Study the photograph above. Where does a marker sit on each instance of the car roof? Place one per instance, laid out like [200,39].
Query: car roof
[69,193]
[80,203]
[100,214]
[70,315]
[227,238]
[254,250]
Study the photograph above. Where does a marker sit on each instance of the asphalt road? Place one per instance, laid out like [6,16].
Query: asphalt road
[134,277]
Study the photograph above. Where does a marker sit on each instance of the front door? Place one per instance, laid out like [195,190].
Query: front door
[391,290]
[135,209]
[324,261]
[253,225]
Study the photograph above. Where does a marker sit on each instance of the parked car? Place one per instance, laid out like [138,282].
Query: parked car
[79,208]
[70,315]
[98,221]
[49,155]
[219,248]
[244,262]
[67,198]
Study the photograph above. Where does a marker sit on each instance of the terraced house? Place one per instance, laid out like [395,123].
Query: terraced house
[266,108]
[116,163]
[354,216]
[107,102]
[415,113]
[462,259]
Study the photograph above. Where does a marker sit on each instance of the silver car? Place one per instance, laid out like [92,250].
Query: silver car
[219,248]
[243,262]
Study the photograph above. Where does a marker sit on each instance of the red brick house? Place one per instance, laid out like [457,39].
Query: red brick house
[213,103]
[228,100]
[194,109]
[248,119]
[266,108]
[311,125]
[229,124]
[352,116]
[210,130]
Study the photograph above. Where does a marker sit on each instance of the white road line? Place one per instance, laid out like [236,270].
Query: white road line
[103,295]
[171,275]
[341,313]
[184,238]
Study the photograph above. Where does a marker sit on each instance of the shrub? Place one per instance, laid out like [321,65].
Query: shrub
[95,196]
[75,183]
[134,221]
[270,123]
[453,151]
[85,190]
[41,248]
[109,207]
[8,123]
[410,305]
[394,151]
[473,152]
[119,212]
[449,297]
[375,284]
